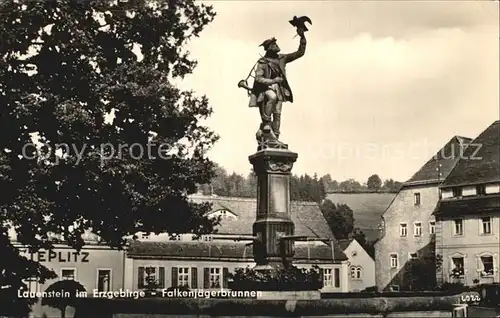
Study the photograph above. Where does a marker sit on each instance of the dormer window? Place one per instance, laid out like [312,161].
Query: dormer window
[446,193]
[224,214]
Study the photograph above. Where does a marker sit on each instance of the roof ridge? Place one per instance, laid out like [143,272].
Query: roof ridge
[463,137]
[421,175]
[450,179]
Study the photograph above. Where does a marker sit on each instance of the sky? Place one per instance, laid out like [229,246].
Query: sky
[382,87]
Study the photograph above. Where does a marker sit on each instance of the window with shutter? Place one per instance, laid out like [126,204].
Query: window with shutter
[140,278]
[322,275]
[175,277]
[194,278]
[161,277]
[206,278]
[337,277]
[225,277]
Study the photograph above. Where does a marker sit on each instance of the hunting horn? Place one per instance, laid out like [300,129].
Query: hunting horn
[244,84]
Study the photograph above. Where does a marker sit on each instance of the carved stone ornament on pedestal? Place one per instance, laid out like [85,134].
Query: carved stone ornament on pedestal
[266,139]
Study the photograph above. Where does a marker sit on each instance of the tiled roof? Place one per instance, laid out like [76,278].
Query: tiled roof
[345,243]
[367,209]
[307,216]
[446,157]
[213,250]
[465,206]
[480,162]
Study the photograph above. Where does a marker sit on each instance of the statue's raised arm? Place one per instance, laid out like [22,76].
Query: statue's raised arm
[271,87]
[299,23]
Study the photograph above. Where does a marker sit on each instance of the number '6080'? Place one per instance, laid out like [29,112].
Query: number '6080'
[470,298]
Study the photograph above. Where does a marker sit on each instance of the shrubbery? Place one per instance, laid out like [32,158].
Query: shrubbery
[290,279]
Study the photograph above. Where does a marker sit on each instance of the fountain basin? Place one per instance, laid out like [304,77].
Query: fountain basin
[431,306]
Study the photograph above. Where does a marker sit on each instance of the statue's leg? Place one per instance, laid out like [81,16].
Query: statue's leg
[277,118]
[266,110]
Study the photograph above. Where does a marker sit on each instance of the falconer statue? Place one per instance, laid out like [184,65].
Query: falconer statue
[271,87]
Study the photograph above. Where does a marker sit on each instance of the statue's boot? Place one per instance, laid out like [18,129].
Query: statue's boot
[271,136]
[266,128]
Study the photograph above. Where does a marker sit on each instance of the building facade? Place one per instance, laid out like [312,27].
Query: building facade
[361,265]
[408,226]
[206,265]
[468,215]
[198,263]
[96,267]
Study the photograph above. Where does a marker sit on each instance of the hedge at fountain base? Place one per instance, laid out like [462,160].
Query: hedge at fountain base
[289,295]
[286,279]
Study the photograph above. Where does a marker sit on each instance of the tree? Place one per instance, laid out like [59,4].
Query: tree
[316,189]
[63,287]
[234,185]
[391,185]
[360,237]
[350,185]
[327,181]
[294,188]
[251,185]
[374,183]
[66,69]
[417,273]
[340,218]
[219,181]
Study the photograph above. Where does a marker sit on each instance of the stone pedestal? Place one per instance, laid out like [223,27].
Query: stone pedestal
[273,168]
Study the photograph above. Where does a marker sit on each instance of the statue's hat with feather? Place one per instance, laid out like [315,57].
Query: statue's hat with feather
[267,43]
